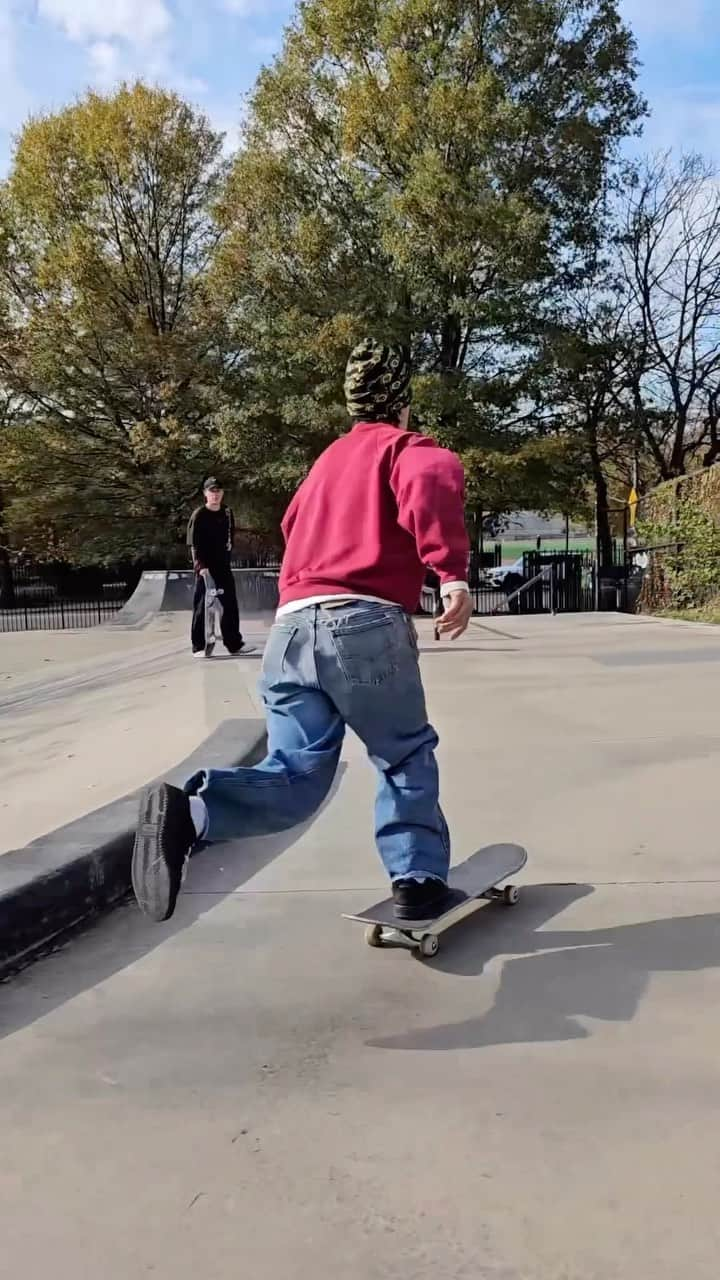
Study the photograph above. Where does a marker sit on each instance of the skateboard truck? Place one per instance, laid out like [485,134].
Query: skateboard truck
[427,945]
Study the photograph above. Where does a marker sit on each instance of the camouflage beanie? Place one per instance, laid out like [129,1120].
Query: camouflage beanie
[377,380]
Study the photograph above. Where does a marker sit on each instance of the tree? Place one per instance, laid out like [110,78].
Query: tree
[109,334]
[10,410]
[590,349]
[671,242]
[427,170]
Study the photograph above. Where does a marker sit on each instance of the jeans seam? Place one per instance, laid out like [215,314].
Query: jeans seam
[340,630]
[289,633]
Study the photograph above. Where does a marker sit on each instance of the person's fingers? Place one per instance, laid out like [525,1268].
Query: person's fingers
[457,616]
[459,606]
[455,633]
[454,608]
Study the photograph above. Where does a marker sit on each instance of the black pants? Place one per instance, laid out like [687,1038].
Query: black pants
[230,625]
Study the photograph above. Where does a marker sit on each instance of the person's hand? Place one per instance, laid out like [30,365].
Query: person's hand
[458,612]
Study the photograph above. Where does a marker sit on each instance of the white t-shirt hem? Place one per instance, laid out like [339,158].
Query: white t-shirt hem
[294,606]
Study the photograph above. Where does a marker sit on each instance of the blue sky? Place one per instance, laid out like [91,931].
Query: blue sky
[211,51]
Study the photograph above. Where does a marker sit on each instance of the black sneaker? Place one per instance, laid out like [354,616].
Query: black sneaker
[165,835]
[416,901]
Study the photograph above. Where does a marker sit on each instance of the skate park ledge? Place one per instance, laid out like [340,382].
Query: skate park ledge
[63,878]
[163,591]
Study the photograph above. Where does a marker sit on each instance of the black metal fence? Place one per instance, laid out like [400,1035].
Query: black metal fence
[60,615]
[562,581]
[55,597]
[546,582]
[257,560]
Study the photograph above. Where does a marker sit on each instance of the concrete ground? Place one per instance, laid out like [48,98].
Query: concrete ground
[87,716]
[249,1090]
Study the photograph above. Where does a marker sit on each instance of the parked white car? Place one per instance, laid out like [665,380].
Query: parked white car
[496,577]
[511,576]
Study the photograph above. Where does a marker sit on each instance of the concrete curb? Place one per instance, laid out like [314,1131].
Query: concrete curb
[63,878]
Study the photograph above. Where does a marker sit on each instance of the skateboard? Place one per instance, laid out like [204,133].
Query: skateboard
[471,883]
[213,613]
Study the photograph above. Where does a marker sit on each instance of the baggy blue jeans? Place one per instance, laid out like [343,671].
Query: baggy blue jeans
[324,669]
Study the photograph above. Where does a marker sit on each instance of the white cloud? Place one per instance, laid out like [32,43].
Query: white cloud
[229,121]
[123,39]
[138,22]
[105,59]
[686,119]
[120,40]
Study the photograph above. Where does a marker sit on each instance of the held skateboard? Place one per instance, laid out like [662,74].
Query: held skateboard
[213,613]
[471,883]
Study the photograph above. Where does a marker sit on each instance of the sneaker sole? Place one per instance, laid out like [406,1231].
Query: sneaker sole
[152,880]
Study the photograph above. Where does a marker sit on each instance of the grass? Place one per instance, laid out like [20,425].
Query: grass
[709,612]
[512,551]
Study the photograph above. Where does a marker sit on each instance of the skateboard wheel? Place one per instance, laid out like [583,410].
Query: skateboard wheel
[429,945]
[511,895]
[374,935]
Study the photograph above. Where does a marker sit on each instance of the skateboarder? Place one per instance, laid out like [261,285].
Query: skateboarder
[378,506]
[211,537]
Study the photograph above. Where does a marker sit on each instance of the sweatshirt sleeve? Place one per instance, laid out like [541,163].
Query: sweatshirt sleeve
[429,487]
[194,538]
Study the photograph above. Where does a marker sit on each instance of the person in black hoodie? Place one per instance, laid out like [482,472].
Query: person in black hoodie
[211,537]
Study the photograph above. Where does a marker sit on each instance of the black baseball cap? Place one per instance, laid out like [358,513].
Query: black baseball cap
[212,482]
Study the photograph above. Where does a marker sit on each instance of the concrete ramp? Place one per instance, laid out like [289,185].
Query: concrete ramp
[169,591]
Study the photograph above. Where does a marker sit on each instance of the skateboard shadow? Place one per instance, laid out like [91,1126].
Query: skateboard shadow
[215,873]
[555,978]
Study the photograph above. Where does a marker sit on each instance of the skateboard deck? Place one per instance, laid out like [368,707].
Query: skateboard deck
[470,883]
[213,614]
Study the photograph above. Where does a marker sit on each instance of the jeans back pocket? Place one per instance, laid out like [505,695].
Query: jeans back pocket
[369,652]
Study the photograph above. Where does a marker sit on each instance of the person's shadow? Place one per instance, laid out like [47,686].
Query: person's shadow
[121,935]
[558,977]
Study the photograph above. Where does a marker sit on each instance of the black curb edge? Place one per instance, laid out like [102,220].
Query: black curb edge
[61,879]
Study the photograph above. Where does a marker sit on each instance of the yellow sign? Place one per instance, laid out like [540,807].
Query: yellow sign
[633,506]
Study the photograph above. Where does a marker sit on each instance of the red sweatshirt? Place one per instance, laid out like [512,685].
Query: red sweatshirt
[378,506]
